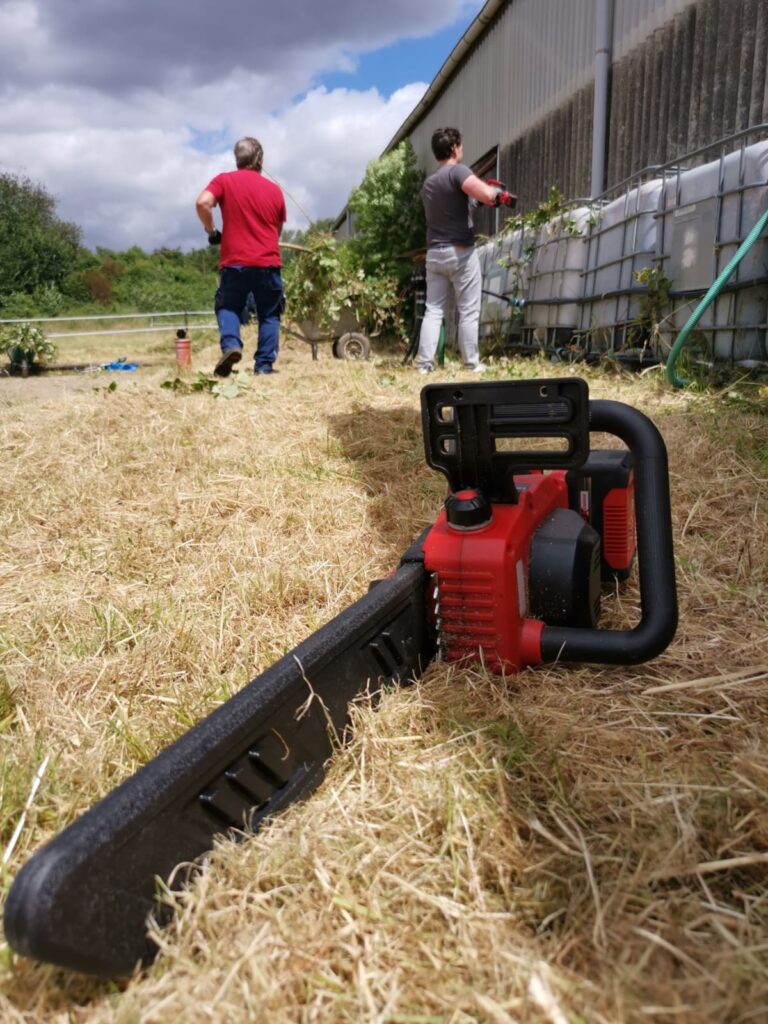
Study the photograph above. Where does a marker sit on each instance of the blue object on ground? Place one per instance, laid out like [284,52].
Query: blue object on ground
[120,364]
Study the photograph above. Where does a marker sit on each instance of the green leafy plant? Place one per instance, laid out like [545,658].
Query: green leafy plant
[179,386]
[232,387]
[326,280]
[550,208]
[655,298]
[24,344]
[389,219]
[368,276]
[652,308]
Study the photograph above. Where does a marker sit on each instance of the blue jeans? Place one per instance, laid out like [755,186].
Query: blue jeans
[449,268]
[241,290]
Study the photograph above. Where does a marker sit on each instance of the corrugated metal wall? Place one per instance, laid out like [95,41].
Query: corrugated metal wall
[697,78]
[531,60]
[685,73]
[635,20]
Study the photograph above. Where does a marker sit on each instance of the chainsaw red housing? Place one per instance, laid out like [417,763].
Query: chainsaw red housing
[480,595]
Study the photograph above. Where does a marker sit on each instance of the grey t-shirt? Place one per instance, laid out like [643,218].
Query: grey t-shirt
[448,209]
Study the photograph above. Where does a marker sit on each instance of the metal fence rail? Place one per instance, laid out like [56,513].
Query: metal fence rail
[181,315]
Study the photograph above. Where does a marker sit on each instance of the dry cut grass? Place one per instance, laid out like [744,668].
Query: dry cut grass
[565,845]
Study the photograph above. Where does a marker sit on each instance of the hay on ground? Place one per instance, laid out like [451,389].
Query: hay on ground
[568,844]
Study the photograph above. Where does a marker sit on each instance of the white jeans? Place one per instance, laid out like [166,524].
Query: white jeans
[451,267]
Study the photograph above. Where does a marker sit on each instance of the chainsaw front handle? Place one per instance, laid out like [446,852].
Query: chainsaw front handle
[655,557]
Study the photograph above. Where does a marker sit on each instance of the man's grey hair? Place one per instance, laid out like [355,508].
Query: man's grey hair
[249,154]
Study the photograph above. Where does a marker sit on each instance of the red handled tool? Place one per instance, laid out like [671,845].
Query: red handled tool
[503,196]
[510,575]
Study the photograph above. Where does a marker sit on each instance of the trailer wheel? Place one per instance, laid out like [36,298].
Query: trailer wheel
[352,346]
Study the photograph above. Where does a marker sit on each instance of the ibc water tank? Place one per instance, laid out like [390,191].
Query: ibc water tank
[706,212]
[620,243]
[494,276]
[556,278]
[504,262]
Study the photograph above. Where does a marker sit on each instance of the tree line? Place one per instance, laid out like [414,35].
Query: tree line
[45,270]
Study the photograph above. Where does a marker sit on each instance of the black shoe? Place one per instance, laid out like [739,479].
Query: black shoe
[260,372]
[227,360]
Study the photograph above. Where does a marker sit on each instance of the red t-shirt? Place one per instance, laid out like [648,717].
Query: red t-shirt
[253,211]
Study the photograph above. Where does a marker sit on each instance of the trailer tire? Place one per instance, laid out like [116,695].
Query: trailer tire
[352,345]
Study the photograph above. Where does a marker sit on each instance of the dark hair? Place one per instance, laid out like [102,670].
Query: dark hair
[248,154]
[443,141]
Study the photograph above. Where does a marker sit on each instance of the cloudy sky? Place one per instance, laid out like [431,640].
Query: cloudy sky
[125,109]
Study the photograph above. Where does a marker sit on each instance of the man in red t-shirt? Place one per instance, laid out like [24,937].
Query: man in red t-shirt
[253,214]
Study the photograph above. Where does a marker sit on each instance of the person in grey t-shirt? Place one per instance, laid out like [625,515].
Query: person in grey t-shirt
[452,262]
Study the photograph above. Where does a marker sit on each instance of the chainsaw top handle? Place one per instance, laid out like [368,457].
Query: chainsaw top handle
[476,434]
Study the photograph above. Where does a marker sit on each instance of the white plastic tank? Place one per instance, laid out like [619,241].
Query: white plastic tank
[621,242]
[493,309]
[517,253]
[705,214]
[505,263]
[556,276]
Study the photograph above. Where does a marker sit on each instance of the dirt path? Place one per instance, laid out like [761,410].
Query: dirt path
[44,387]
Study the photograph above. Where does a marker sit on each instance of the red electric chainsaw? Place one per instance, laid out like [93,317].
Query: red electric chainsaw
[503,196]
[510,574]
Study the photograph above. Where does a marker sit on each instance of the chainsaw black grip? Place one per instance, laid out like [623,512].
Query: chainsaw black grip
[655,556]
[83,900]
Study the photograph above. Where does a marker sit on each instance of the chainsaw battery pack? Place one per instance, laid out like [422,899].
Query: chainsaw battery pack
[602,491]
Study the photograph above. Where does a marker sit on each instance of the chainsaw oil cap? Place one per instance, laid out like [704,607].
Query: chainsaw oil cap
[467,510]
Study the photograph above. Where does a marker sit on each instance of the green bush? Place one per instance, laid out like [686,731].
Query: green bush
[17,305]
[389,219]
[370,274]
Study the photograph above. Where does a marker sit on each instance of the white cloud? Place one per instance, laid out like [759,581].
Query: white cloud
[105,103]
[126,184]
[319,148]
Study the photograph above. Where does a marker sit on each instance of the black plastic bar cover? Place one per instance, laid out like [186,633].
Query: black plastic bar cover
[83,900]
[655,556]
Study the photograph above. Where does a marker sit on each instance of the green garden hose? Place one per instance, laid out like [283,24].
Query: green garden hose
[714,291]
[441,346]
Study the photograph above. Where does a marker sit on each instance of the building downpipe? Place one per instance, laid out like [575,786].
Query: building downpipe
[601,115]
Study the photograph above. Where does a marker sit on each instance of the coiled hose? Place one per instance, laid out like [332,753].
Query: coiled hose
[714,291]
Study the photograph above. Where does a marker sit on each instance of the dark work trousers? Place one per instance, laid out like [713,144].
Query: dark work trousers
[242,290]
